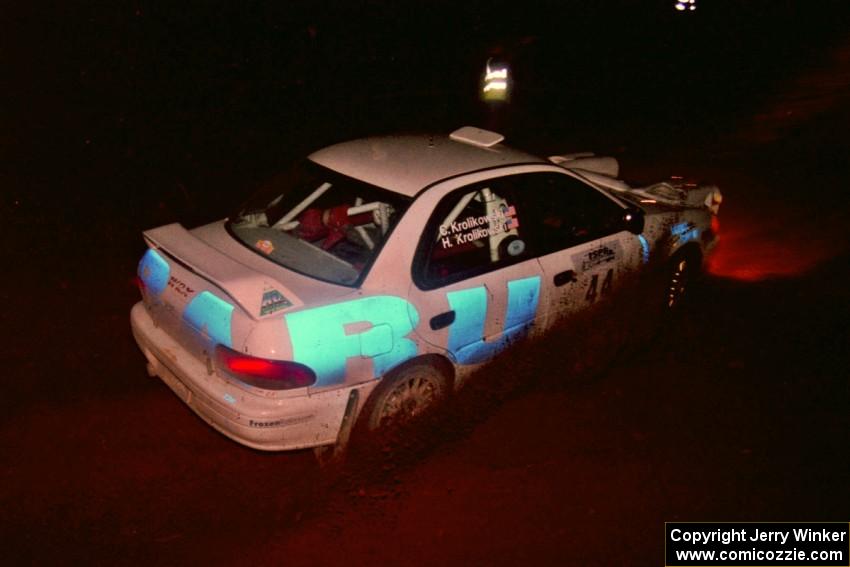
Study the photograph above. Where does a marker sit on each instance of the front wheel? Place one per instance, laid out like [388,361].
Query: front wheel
[405,395]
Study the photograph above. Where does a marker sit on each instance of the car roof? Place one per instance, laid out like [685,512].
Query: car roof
[408,163]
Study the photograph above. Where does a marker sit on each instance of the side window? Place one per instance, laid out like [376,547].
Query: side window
[563,212]
[473,230]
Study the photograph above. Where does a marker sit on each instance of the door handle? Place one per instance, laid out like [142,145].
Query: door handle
[564,278]
[442,320]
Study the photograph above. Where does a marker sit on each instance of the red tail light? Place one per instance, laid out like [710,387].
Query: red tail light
[262,372]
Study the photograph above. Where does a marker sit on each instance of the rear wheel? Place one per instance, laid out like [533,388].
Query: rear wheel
[405,395]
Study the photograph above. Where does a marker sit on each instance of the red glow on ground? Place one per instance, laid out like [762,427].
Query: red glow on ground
[753,252]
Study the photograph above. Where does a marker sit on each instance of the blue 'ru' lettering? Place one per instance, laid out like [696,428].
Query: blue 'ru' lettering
[320,341]
[466,335]
[644,248]
[211,316]
[685,231]
[154,271]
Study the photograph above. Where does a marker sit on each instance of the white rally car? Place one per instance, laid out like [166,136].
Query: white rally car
[368,281]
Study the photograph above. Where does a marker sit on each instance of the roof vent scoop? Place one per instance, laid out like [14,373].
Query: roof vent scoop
[476,137]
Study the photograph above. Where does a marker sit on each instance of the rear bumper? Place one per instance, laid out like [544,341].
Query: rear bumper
[266,422]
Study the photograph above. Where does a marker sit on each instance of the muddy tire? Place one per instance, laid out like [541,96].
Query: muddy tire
[405,395]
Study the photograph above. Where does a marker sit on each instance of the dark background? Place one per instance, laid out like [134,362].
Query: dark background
[118,117]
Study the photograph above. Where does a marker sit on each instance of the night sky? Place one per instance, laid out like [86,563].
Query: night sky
[164,99]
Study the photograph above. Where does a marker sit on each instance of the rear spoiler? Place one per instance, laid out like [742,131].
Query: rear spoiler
[602,171]
[244,285]
[682,194]
[588,161]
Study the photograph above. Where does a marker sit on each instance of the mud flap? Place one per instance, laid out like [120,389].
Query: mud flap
[330,454]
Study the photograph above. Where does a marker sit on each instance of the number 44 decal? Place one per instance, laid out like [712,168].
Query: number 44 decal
[594,284]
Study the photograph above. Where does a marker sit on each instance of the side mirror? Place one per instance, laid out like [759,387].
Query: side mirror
[633,220]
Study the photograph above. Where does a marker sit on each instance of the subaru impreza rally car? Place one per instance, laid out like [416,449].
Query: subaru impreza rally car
[368,281]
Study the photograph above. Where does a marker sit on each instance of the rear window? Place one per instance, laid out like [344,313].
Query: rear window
[318,222]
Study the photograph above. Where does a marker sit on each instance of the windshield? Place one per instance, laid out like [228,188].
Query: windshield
[318,222]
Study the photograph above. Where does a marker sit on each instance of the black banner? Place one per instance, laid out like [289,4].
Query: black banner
[761,544]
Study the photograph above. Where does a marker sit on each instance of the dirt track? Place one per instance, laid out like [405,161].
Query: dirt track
[736,409]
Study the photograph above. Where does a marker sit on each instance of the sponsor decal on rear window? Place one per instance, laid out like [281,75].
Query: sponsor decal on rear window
[265,246]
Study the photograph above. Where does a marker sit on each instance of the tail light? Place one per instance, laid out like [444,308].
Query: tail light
[263,372]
